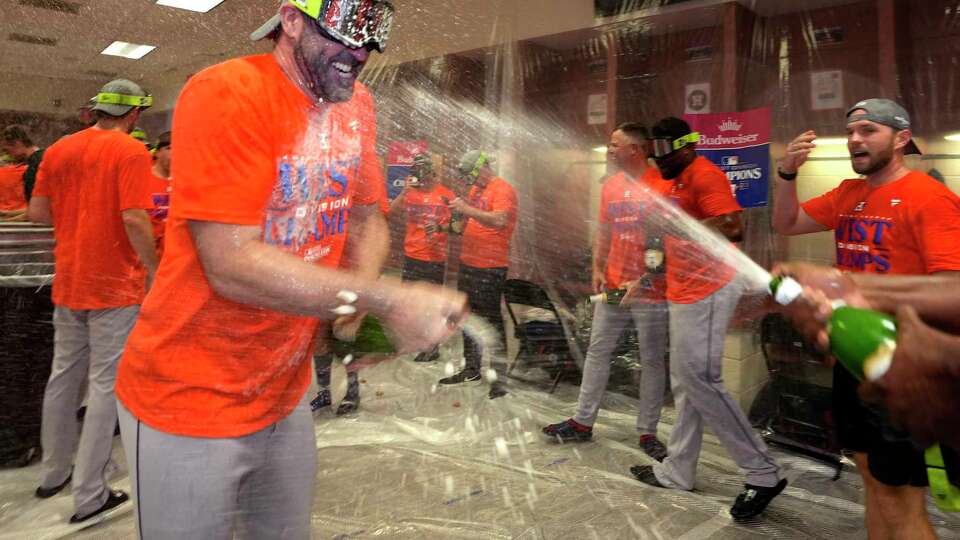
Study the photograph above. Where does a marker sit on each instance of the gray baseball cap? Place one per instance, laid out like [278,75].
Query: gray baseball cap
[886,112]
[119,96]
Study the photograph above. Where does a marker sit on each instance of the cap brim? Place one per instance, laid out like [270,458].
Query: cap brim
[112,109]
[266,28]
[911,148]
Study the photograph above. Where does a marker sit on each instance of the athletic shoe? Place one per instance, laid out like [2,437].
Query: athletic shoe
[348,406]
[322,400]
[467,375]
[652,447]
[645,474]
[46,493]
[497,389]
[114,499]
[754,499]
[428,356]
[567,431]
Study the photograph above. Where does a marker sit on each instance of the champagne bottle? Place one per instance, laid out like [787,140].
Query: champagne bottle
[370,338]
[457,223]
[862,340]
[610,296]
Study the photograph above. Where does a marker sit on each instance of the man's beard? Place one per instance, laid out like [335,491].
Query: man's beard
[884,157]
[319,79]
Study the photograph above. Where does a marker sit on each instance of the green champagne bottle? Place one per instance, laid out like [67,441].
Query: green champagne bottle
[610,296]
[862,340]
[371,338]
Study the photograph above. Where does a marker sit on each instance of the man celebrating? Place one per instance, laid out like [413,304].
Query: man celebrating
[424,202]
[92,186]
[618,262]
[213,382]
[703,294]
[891,221]
[491,214]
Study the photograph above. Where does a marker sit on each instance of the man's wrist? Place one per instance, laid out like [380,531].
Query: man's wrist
[788,176]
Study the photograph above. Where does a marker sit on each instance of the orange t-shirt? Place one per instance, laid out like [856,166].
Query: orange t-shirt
[703,191]
[486,247]
[623,205]
[90,177]
[425,207]
[160,195]
[249,149]
[12,195]
[909,226]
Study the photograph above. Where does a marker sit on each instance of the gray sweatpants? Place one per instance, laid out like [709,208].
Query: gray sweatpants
[87,347]
[609,322]
[697,333]
[187,488]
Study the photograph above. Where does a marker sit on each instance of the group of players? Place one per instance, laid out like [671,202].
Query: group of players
[277,236]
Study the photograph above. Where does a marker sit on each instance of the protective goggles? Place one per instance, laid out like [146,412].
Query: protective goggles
[663,147]
[473,173]
[123,99]
[355,23]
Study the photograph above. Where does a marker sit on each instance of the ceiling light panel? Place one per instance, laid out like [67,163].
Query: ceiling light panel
[201,6]
[133,51]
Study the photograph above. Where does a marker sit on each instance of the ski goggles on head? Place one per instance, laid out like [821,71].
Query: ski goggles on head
[473,172]
[123,99]
[663,147]
[355,23]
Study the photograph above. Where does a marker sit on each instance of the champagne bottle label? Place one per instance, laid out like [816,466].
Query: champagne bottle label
[610,296]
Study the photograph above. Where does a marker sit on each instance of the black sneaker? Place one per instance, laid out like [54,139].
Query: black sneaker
[114,499]
[497,390]
[754,499]
[348,406]
[322,400]
[652,447]
[428,356]
[645,474]
[46,493]
[566,432]
[467,375]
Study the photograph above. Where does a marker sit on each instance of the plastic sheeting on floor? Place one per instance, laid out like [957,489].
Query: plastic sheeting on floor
[419,461]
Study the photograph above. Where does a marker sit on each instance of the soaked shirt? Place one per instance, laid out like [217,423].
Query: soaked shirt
[160,195]
[909,226]
[12,195]
[424,208]
[488,247]
[625,207]
[250,149]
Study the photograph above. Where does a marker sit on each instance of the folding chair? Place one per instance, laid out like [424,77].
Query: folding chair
[538,327]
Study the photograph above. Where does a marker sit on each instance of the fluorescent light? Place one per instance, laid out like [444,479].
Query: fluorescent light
[600,149]
[830,141]
[133,51]
[953,137]
[201,6]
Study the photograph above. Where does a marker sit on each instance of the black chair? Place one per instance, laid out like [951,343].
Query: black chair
[542,338]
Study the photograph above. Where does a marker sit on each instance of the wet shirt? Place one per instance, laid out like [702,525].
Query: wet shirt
[12,195]
[424,208]
[160,195]
[91,177]
[909,226]
[624,208]
[487,247]
[250,149]
[703,191]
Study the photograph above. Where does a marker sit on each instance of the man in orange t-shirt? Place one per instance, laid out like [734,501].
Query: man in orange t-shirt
[490,211]
[274,165]
[423,202]
[703,293]
[619,262]
[92,186]
[160,189]
[893,221]
[13,204]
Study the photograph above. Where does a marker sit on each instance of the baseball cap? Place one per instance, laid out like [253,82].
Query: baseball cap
[162,141]
[355,23]
[120,96]
[886,112]
[422,166]
[671,134]
[472,160]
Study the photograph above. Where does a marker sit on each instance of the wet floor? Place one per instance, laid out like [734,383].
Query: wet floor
[423,462]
